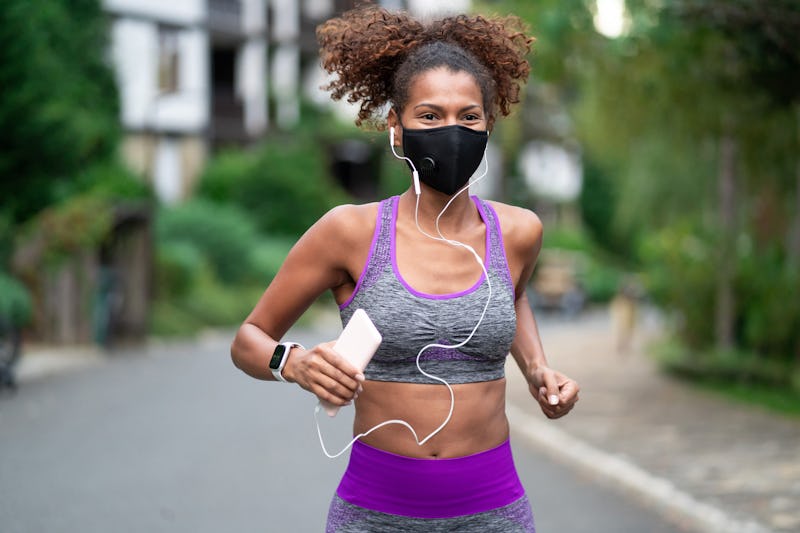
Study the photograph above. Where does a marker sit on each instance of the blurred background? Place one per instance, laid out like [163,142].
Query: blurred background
[158,159]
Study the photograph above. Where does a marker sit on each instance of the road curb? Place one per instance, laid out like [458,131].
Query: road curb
[41,362]
[653,490]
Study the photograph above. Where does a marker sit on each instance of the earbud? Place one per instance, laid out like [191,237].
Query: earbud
[414,173]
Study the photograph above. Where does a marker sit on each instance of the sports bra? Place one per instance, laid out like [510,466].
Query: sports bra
[408,319]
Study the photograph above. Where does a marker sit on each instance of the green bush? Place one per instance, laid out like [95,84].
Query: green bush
[208,303]
[79,223]
[595,272]
[15,300]
[213,304]
[285,185]
[112,180]
[178,267]
[680,274]
[768,297]
[223,234]
[564,238]
[600,281]
[268,256]
[598,203]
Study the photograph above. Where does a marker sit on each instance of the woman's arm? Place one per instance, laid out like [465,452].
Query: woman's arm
[555,392]
[326,257]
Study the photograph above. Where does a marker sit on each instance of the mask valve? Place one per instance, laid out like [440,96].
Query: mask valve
[428,165]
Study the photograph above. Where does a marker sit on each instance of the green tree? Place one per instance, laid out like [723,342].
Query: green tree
[696,107]
[690,124]
[58,103]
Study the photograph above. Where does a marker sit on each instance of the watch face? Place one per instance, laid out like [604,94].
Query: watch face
[277,357]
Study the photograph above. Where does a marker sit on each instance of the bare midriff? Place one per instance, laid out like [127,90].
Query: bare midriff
[478,422]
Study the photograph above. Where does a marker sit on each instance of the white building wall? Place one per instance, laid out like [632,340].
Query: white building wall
[286,23]
[134,46]
[166,129]
[285,78]
[318,9]
[251,79]
[254,16]
[135,52]
[187,109]
[180,12]
[167,171]
[423,8]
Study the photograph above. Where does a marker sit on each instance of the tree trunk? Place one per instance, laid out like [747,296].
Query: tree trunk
[725,299]
[793,244]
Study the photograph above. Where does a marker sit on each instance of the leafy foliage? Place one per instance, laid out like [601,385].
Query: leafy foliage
[653,110]
[77,224]
[222,234]
[15,300]
[284,185]
[58,106]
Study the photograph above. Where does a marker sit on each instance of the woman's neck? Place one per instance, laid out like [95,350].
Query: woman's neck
[460,214]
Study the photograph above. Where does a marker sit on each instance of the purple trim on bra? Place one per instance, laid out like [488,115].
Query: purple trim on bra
[375,237]
[409,288]
[502,247]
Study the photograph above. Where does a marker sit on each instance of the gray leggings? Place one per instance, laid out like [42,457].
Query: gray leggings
[344,517]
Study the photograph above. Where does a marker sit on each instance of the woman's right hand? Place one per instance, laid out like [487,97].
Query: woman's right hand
[324,373]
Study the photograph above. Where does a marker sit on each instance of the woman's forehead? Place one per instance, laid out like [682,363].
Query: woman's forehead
[443,83]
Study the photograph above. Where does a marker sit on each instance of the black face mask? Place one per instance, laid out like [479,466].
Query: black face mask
[445,157]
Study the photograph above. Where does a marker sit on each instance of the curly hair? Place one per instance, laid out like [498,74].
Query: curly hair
[376,54]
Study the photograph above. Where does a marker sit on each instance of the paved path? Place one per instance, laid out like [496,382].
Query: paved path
[720,466]
[702,462]
[175,439]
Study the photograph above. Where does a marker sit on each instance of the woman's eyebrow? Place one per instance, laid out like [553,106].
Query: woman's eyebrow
[440,108]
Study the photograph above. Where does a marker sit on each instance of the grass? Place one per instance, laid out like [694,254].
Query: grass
[740,376]
[783,401]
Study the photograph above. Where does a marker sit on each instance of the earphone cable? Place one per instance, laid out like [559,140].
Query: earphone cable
[480,262]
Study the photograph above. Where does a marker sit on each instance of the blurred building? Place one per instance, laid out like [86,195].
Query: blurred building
[190,74]
[195,75]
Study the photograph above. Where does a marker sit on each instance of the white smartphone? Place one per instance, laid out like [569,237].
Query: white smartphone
[357,343]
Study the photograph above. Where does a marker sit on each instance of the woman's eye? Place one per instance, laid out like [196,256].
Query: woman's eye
[471,118]
[429,116]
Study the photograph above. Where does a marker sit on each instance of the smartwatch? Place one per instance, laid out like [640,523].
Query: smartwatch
[279,357]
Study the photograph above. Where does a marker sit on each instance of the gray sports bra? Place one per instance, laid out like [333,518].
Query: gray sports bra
[409,319]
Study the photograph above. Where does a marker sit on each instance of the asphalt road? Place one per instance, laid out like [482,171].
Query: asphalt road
[175,439]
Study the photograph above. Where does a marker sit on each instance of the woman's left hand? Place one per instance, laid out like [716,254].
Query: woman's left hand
[555,392]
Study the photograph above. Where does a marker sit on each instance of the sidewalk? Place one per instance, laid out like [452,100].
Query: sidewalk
[40,361]
[712,464]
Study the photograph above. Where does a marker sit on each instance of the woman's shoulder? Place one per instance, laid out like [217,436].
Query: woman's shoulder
[521,228]
[349,221]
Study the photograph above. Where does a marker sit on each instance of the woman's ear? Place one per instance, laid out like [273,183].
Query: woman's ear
[393,123]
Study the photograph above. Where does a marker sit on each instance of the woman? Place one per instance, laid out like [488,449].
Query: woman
[445,82]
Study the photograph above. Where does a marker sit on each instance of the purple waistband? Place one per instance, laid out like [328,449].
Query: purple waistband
[430,488]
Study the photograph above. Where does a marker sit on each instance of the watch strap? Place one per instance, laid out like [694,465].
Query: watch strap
[287,347]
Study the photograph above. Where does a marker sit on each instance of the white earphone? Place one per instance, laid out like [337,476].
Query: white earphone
[414,173]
